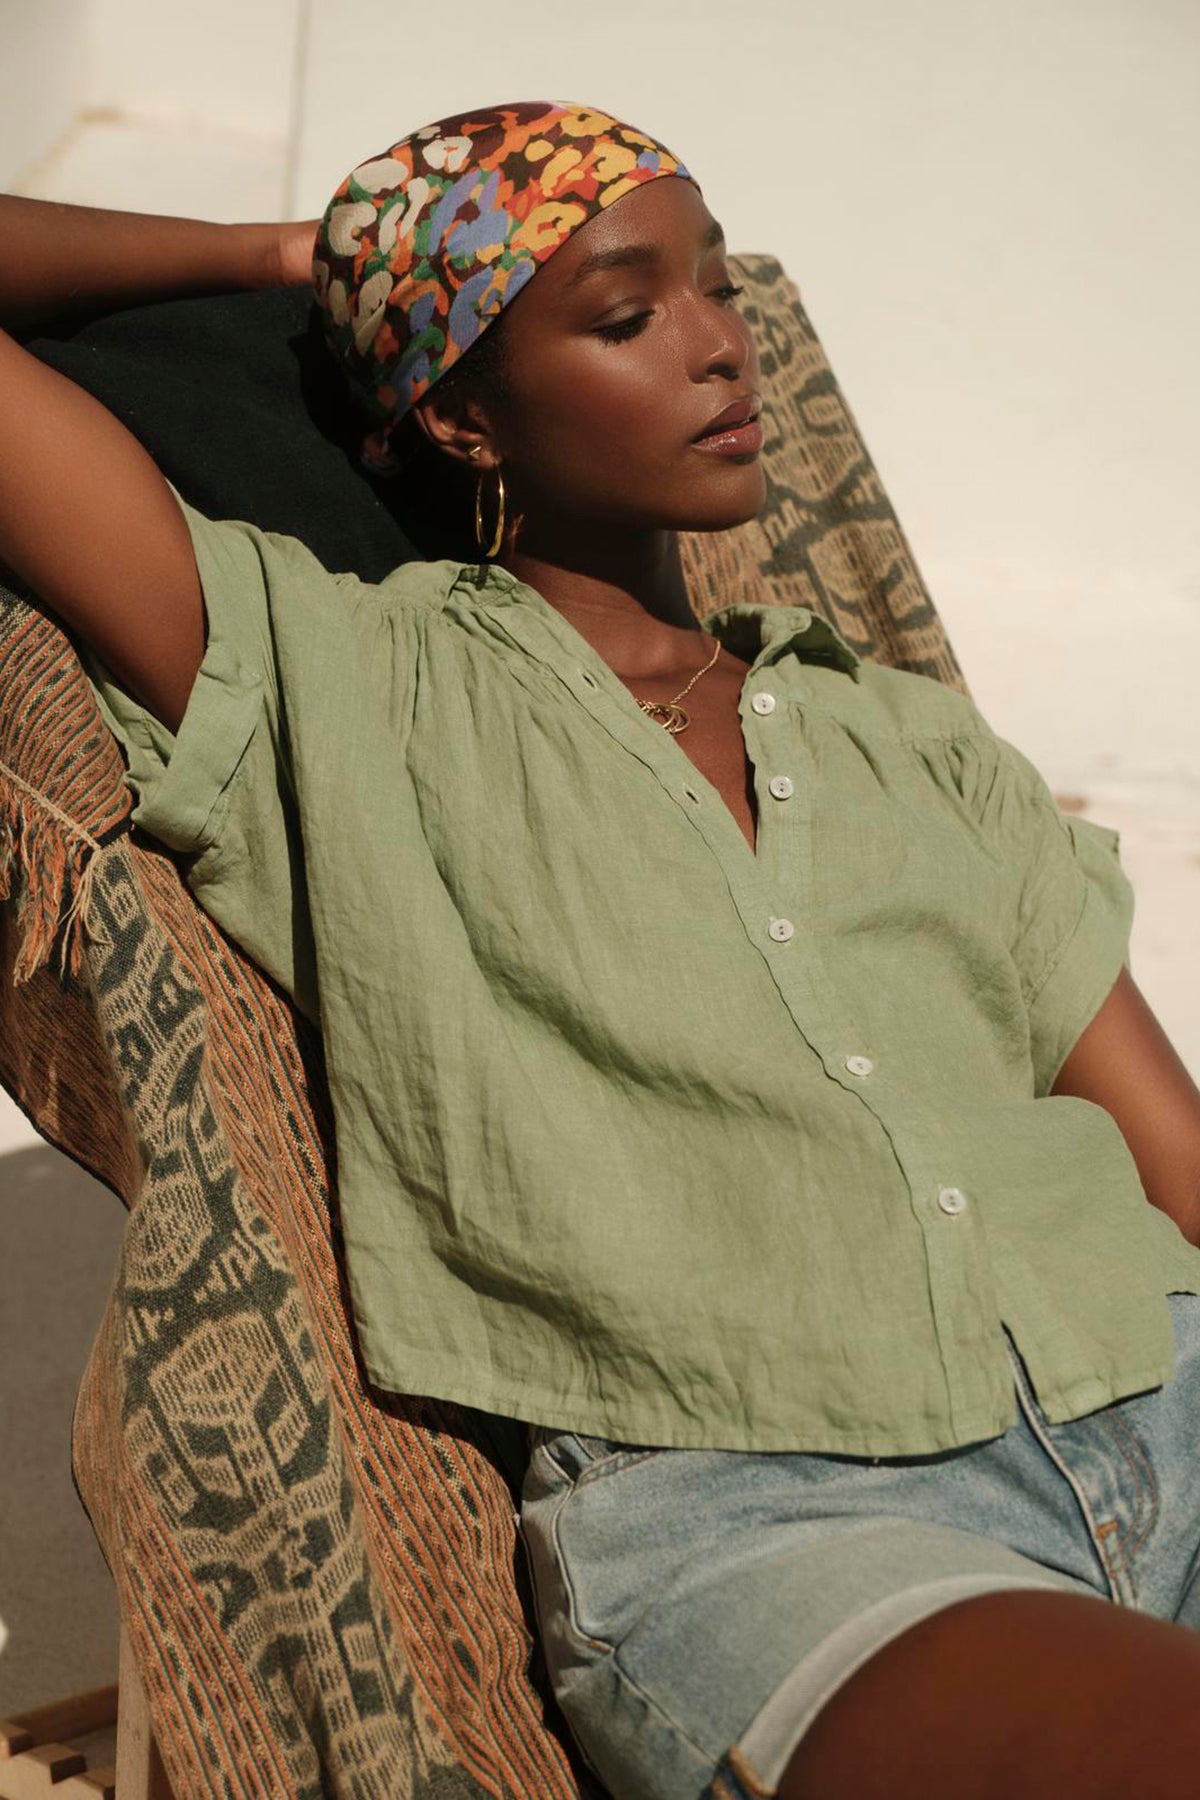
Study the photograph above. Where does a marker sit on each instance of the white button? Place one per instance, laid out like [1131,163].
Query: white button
[763,703]
[781,787]
[951,1200]
[692,795]
[859,1065]
[586,675]
[781,930]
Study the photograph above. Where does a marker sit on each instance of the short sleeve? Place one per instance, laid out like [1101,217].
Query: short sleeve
[221,790]
[1074,910]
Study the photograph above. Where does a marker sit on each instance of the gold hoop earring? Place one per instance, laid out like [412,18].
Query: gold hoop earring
[479,531]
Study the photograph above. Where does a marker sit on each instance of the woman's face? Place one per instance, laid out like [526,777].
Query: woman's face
[619,353]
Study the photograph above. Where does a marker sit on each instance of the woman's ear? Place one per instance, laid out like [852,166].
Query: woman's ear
[457,425]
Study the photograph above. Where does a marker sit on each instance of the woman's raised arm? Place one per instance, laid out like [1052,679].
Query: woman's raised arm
[85,516]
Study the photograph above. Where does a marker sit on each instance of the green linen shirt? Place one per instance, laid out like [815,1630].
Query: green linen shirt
[642,1133]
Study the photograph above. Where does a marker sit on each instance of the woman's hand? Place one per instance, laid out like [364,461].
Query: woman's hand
[295,251]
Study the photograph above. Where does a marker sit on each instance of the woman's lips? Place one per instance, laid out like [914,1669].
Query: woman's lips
[737,440]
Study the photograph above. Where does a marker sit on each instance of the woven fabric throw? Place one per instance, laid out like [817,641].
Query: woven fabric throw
[322,1582]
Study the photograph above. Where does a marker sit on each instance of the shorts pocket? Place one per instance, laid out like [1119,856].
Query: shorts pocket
[583,1458]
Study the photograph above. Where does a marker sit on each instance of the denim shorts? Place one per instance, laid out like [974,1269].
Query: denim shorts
[698,1607]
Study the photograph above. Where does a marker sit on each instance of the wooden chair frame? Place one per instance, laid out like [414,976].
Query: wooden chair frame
[36,1764]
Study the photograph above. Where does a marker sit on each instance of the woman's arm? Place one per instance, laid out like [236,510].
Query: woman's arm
[85,516]
[62,259]
[1125,1063]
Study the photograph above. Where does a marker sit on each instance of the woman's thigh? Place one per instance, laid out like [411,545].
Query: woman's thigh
[1041,1695]
[699,1608]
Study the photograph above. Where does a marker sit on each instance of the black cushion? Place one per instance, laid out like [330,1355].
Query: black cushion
[241,405]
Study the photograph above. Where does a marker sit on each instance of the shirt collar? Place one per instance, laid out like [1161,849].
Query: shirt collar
[760,632]
[763,633]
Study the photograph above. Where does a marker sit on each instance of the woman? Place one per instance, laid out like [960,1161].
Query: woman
[735,1069]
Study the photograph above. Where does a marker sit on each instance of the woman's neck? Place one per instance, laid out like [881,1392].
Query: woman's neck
[624,593]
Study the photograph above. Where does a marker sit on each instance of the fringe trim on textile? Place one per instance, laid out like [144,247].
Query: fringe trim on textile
[51,860]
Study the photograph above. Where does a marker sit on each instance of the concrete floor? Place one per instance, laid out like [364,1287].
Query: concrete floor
[61,1231]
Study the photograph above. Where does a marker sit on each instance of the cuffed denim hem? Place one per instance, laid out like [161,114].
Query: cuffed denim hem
[690,1663]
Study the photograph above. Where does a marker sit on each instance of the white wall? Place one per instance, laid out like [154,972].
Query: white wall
[223,65]
[41,78]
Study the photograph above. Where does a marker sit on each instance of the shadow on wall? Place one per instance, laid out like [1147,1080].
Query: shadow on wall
[60,1231]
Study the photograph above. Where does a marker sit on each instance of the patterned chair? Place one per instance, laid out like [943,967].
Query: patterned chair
[321,1584]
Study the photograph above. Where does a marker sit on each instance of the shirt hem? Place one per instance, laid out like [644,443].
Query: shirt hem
[556,1410]
[1062,1405]
[559,1411]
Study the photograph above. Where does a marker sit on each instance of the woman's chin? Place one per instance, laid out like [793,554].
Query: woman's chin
[724,511]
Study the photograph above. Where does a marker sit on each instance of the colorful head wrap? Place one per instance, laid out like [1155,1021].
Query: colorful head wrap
[424,245]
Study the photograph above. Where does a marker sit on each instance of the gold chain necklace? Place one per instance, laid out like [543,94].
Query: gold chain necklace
[669,714]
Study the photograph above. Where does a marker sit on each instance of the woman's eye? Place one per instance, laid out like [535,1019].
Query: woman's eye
[622,329]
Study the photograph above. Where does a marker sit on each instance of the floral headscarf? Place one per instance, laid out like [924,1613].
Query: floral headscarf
[424,245]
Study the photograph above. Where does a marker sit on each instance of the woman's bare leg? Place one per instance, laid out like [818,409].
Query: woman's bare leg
[1013,1696]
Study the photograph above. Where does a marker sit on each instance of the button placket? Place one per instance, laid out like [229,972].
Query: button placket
[962,1282]
[769,729]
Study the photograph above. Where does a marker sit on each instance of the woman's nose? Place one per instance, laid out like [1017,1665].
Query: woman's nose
[725,344]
